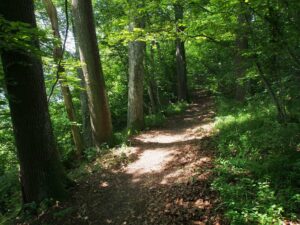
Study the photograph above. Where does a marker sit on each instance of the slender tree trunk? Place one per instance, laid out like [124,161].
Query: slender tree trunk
[281,113]
[152,85]
[92,70]
[86,119]
[277,43]
[41,172]
[65,90]
[182,89]
[240,59]
[135,116]
[153,66]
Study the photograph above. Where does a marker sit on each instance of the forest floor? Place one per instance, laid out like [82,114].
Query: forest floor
[167,179]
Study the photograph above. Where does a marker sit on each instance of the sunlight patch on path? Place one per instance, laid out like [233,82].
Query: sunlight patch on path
[163,137]
[163,149]
[150,161]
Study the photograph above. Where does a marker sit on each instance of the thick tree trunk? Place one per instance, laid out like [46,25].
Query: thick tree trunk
[41,172]
[135,115]
[65,90]
[182,89]
[92,70]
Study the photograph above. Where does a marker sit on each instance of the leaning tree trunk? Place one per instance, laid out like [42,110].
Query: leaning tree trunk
[136,54]
[42,175]
[92,70]
[65,90]
[182,89]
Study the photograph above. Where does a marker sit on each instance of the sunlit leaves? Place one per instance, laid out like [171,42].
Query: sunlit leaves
[20,36]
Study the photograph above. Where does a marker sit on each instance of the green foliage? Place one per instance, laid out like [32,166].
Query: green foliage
[258,167]
[10,196]
[62,131]
[19,36]
[175,108]
[155,120]
[63,213]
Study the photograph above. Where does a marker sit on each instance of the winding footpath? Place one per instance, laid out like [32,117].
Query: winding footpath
[167,179]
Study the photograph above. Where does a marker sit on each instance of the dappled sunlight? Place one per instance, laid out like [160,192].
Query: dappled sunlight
[195,132]
[150,161]
[172,155]
[164,138]
[103,184]
[187,171]
[162,177]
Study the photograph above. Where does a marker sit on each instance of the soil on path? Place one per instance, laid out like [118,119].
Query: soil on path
[168,179]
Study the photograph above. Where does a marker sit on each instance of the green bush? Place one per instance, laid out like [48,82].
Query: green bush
[154,120]
[175,108]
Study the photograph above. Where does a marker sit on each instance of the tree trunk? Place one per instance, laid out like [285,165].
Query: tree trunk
[65,90]
[135,116]
[281,113]
[92,70]
[152,85]
[240,59]
[182,89]
[86,119]
[41,172]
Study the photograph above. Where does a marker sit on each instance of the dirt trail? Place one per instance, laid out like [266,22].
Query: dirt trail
[167,182]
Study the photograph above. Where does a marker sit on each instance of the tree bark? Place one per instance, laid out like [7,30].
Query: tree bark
[65,90]
[136,54]
[92,70]
[41,172]
[181,71]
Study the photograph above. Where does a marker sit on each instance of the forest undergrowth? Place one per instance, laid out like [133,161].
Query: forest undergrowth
[258,164]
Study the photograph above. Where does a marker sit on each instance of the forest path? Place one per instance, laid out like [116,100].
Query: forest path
[166,182]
